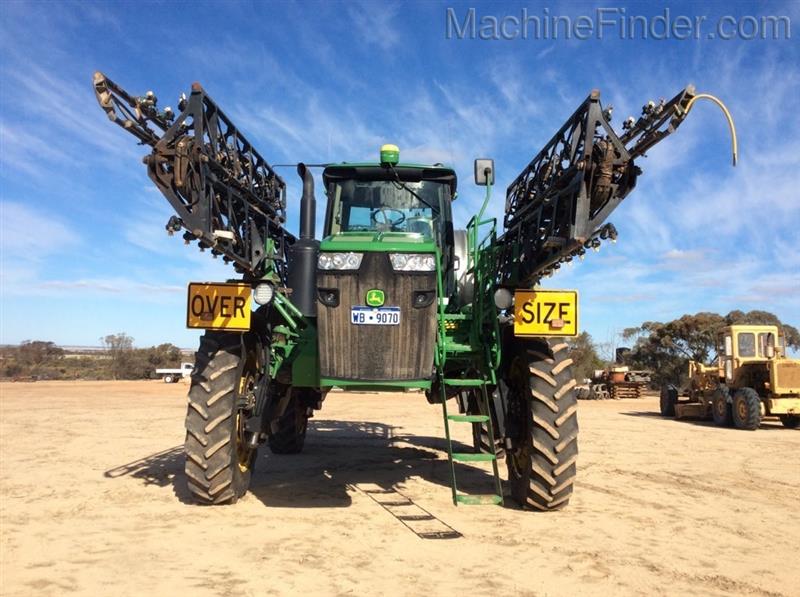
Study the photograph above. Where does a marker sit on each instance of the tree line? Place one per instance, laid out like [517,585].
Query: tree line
[40,359]
[666,348]
[663,348]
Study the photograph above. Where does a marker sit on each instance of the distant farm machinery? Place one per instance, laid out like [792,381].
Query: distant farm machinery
[753,378]
[615,383]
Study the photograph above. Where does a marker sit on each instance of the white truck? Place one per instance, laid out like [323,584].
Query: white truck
[175,375]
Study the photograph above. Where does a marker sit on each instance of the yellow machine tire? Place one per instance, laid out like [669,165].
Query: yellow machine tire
[543,406]
[746,409]
[721,410]
[668,399]
[218,462]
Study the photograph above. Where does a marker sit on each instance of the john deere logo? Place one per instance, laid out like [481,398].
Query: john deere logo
[375,297]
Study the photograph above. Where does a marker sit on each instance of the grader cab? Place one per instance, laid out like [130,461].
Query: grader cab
[752,378]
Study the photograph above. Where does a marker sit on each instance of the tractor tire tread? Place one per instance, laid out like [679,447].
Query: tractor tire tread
[553,441]
[212,466]
[752,416]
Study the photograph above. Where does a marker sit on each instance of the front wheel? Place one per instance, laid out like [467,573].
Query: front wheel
[746,409]
[669,397]
[167,379]
[543,425]
[219,460]
[721,407]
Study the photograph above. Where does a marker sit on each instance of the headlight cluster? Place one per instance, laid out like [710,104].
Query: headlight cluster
[340,261]
[413,262]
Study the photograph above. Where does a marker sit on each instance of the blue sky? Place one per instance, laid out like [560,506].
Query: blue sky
[84,252]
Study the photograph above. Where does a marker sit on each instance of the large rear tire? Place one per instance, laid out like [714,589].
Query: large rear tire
[219,461]
[481,441]
[543,425]
[746,409]
[290,435]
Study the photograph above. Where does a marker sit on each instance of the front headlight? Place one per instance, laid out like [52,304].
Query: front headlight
[339,261]
[413,262]
[263,293]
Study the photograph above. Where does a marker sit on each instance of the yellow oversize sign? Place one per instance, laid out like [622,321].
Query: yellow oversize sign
[546,313]
[218,306]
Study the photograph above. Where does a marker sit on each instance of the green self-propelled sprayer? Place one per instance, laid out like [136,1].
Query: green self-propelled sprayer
[393,296]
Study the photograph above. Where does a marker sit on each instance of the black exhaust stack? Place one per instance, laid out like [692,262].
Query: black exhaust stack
[308,203]
[303,253]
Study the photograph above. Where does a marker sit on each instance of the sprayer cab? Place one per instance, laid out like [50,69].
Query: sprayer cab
[388,236]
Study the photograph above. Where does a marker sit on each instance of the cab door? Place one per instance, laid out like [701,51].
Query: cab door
[726,358]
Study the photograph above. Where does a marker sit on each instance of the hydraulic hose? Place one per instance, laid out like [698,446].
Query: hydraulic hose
[716,100]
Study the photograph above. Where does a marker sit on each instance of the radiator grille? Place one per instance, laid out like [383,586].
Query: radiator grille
[372,352]
[788,375]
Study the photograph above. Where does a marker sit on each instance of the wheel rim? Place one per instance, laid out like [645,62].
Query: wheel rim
[721,407]
[519,457]
[243,451]
[741,409]
[520,461]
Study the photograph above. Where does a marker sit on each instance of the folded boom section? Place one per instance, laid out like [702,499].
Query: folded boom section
[226,196]
[557,206]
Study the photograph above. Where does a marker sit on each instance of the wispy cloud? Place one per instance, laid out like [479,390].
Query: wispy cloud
[27,234]
[118,286]
[377,25]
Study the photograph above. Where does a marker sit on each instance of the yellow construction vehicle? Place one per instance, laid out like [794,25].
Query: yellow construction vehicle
[752,378]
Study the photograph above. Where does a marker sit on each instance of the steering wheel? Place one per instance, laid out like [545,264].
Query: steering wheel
[387,219]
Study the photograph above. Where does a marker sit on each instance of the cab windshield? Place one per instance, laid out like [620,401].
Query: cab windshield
[388,206]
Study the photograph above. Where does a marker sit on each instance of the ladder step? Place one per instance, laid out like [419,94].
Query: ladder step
[479,500]
[454,316]
[473,457]
[457,347]
[440,535]
[465,382]
[468,418]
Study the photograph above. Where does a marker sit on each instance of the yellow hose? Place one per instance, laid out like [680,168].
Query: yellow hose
[727,115]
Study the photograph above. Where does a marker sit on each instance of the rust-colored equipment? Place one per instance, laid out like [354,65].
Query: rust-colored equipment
[616,383]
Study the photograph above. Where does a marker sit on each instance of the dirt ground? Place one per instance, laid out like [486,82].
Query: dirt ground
[93,502]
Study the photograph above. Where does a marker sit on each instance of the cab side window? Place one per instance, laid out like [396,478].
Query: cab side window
[762,344]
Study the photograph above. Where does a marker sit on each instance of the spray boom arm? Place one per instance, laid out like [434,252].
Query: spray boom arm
[226,196]
[556,208]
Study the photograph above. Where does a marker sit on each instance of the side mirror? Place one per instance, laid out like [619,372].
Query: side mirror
[484,172]
[770,348]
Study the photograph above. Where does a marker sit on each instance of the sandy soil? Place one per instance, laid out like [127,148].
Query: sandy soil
[93,502]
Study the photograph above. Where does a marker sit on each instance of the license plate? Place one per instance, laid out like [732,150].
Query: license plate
[218,306]
[546,313]
[375,316]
